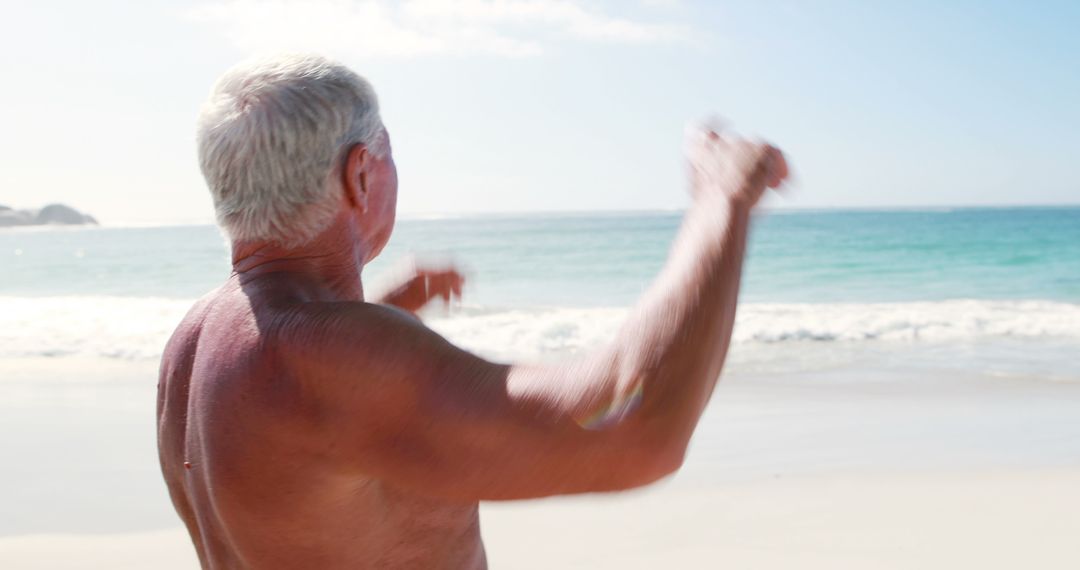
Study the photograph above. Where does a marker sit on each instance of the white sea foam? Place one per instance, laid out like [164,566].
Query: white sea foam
[539,332]
[131,328]
[136,328]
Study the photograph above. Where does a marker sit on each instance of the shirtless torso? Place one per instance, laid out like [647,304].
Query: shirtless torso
[255,489]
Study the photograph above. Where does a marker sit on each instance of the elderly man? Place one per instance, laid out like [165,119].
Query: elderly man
[303,426]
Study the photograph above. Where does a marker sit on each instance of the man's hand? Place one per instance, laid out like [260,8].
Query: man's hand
[424,284]
[732,167]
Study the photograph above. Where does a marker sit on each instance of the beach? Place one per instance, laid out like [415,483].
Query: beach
[899,394]
[787,470]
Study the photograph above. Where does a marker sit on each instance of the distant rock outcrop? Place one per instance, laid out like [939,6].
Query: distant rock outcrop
[51,214]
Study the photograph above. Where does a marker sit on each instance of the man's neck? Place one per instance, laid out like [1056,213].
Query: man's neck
[326,268]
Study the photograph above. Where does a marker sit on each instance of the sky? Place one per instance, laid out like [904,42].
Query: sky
[562,105]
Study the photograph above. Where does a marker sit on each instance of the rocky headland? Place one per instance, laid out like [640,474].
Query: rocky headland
[53,214]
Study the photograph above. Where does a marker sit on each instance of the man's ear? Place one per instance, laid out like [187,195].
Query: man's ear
[354,176]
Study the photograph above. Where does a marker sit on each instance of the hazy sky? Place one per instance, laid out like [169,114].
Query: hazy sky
[523,105]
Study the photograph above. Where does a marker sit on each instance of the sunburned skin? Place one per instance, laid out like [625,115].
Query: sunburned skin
[301,426]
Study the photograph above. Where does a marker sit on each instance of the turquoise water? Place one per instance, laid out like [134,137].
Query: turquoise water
[955,283]
[901,256]
[606,260]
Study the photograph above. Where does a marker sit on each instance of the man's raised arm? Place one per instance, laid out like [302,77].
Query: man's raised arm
[396,402]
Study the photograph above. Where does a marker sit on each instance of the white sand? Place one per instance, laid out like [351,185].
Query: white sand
[871,468]
[163,549]
[985,521]
[1014,520]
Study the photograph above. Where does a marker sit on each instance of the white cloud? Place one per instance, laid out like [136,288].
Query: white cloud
[411,28]
[662,3]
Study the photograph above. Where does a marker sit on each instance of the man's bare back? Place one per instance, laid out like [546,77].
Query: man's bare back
[254,488]
[303,427]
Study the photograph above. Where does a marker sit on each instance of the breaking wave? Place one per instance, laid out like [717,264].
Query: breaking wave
[136,328]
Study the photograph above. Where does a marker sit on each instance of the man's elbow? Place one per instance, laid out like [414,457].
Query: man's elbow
[655,460]
[668,458]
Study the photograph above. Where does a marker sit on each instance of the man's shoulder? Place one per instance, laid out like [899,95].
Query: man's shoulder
[190,327]
[341,320]
[184,338]
[220,324]
[328,341]
[303,340]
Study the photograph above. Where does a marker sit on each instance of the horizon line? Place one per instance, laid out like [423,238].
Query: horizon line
[424,216]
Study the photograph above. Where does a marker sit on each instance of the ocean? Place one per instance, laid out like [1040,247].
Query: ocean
[997,290]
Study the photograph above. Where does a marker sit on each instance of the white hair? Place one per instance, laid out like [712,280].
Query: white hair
[270,138]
